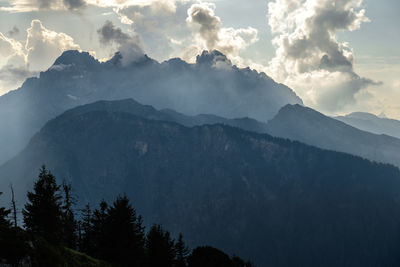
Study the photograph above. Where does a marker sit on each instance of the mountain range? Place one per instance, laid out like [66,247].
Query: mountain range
[306,125]
[210,86]
[372,123]
[275,201]
[224,155]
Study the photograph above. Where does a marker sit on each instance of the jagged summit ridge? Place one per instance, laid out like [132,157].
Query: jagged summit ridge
[75,57]
[212,57]
[211,86]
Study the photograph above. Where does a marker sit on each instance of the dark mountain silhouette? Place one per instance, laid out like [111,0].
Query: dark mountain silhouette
[306,125]
[372,123]
[77,78]
[274,201]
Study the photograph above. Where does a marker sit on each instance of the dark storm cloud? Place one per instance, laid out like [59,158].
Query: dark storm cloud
[109,34]
[13,32]
[203,15]
[129,46]
[74,4]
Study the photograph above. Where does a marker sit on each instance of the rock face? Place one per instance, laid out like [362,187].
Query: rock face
[371,123]
[277,202]
[211,86]
[306,125]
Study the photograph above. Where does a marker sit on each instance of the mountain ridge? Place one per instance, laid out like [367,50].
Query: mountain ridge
[372,123]
[77,78]
[309,126]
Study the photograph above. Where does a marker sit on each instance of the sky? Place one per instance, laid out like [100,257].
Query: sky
[339,56]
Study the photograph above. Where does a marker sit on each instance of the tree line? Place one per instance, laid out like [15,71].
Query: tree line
[113,233]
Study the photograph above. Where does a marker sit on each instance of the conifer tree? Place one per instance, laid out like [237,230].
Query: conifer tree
[42,213]
[182,252]
[97,243]
[4,213]
[68,217]
[210,257]
[160,248]
[4,230]
[124,234]
[86,231]
[12,244]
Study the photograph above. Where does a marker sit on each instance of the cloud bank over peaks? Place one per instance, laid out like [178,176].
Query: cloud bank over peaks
[184,29]
[211,35]
[129,46]
[44,46]
[309,58]
[25,59]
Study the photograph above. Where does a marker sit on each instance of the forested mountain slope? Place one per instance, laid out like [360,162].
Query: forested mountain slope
[274,201]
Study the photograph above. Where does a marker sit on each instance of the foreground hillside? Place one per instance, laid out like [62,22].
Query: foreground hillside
[212,85]
[277,202]
[111,235]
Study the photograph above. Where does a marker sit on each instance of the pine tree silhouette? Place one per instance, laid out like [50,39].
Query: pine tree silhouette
[12,243]
[117,233]
[4,213]
[182,252]
[97,232]
[68,217]
[160,248]
[86,231]
[42,213]
[210,257]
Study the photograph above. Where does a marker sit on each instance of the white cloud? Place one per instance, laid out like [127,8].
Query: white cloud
[13,69]
[10,48]
[157,5]
[185,30]
[212,36]
[309,58]
[163,31]
[42,47]
[76,5]
[379,99]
